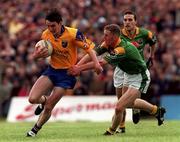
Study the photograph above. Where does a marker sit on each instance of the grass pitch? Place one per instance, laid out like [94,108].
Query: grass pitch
[144,131]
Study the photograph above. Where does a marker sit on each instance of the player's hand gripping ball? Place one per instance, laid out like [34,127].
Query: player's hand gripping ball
[45,44]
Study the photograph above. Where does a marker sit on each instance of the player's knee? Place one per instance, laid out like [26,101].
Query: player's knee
[32,100]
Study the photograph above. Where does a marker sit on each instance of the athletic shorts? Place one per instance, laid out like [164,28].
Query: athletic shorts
[118,77]
[139,81]
[60,78]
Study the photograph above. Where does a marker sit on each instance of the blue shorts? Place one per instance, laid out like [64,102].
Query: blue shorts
[60,78]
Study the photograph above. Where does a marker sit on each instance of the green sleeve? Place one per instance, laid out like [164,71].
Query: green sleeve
[114,59]
[150,40]
[100,50]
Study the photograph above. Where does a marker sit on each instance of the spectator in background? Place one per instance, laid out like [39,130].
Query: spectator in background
[80,89]
[95,89]
[5,87]
[108,85]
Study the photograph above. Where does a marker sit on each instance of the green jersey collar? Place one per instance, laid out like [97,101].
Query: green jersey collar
[124,32]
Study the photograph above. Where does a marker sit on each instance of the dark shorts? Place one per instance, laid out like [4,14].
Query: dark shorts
[60,78]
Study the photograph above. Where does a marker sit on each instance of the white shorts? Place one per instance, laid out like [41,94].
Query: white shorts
[139,81]
[118,77]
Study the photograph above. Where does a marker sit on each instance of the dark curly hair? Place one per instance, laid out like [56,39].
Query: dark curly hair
[54,15]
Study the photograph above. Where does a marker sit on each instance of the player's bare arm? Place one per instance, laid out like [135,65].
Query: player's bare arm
[97,66]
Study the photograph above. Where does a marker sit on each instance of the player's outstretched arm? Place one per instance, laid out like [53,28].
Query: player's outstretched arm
[97,66]
[77,69]
[84,60]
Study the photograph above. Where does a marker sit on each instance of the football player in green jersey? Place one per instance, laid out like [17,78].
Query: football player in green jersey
[126,57]
[139,37]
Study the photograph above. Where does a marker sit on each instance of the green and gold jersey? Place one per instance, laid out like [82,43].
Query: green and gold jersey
[124,55]
[141,37]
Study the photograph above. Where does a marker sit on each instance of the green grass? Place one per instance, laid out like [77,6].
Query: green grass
[145,131]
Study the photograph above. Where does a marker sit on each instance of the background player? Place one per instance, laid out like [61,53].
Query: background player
[139,37]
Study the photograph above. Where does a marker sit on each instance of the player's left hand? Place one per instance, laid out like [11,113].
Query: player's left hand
[74,70]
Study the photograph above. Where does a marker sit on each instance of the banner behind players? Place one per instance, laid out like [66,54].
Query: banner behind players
[86,108]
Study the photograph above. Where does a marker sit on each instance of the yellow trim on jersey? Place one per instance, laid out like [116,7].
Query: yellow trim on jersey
[150,34]
[125,32]
[119,50]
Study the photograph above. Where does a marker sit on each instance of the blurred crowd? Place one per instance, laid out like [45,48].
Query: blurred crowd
[22,21]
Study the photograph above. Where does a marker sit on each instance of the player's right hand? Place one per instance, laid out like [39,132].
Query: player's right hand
[40,52]
[98,68]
